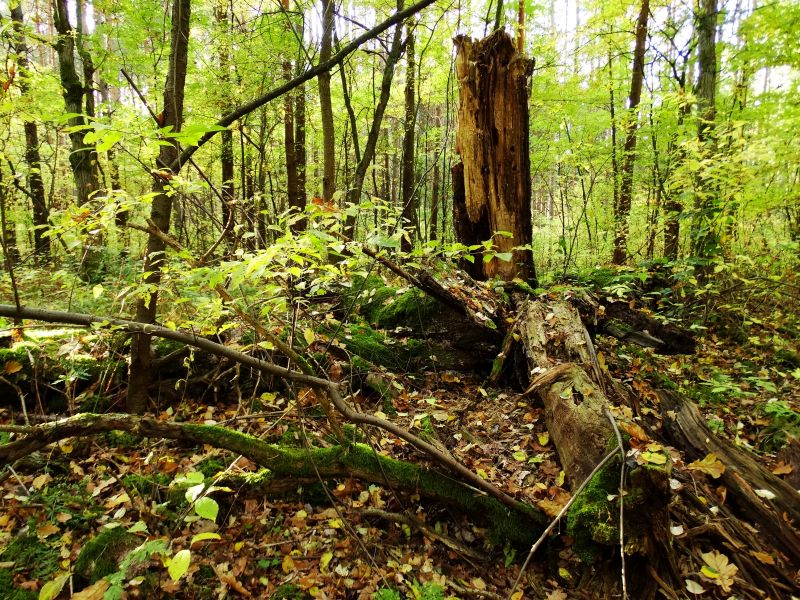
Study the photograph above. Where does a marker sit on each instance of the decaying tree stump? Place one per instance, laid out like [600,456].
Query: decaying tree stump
[492,140]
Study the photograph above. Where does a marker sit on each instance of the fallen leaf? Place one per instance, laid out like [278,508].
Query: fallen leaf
[52,589]
[763,557]
[95,591]
[710,465]
[782,468]
[288,564]
[766,494]
[41,481]
[12,367]
[693,587]
[634,430]
[655,458]
[719,570]
[46,530]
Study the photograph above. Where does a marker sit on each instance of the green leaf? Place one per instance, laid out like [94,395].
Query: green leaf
[504,256]
[202,537]
[207,508]
[179,564]
[52,589]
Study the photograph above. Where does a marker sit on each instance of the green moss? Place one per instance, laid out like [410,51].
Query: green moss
[593,520]
[146,486]
[788,358]
[121,439]
[289,592]
[102,555]
[373,346]
[32,556]
[9,592]
[210,467]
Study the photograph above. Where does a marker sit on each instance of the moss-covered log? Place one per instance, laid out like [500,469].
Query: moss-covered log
[520,524]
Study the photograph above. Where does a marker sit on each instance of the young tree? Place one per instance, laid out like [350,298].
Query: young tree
[622,208]
[325,104]
[407,198]
[41,213]
[140,375]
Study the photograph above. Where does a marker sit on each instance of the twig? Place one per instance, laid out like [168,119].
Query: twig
[416,523]
[621,502]
[558,518]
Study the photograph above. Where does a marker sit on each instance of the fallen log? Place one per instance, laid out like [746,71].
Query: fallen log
[520,526]
[776,512]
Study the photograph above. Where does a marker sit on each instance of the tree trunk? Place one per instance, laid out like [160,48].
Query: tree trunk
[289,143]
[325,104]
[623,207]
[409,180]
[41,213]
[705,237]
[354,191]
[492,141]
[227,190]
[160,213]
[300,144]
[83,157]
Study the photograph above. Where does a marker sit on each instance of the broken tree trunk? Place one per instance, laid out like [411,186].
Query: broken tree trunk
[778,515]
[492,141]
[567,378]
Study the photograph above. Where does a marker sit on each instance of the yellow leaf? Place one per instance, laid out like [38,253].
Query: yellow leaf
[41,481]
[710,465]
[544,438]
[309,336]
[93,592]
[238,546]
[325,561]
[12,367]
[719,570]
[655,458]
[288,564]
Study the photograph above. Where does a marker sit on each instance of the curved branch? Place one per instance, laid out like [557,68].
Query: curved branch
[322,67]
[324,385]
[359,460]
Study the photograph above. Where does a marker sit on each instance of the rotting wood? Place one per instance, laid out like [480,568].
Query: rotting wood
[778,517]
[492,141]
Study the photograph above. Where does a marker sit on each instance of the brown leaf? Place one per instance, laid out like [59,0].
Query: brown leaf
[12,367]
[634,430]
[710,465]
[763,557]
[93,592]
[782,468]
[46,530]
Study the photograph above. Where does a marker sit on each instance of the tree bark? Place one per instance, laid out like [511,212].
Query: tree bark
[492,141]
[227,190]
[41,212]
[354,192]
[623,208]
[326,105]
[705,237]
[139,378]
[409,180]
[83,158]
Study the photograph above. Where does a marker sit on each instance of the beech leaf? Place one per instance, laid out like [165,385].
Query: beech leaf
[710,465]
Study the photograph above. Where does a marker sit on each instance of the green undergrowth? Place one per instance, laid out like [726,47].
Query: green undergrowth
[102,555]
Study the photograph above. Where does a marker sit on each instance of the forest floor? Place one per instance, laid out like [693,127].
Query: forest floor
[348,539]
